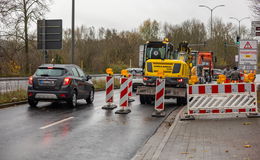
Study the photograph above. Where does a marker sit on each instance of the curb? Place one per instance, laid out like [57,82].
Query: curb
[153,147]
[167,136]
[5,105]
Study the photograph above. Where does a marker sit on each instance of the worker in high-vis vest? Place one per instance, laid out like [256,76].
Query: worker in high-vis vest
[235,76]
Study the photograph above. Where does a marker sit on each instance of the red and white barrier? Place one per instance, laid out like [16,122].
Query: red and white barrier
[109,89]
[159,98]
[222,98]
[109,93]
[130,86]
[221,88]
[123,102]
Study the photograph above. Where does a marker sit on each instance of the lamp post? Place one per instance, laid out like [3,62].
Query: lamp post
[211,10]
[239,20]
[72,31]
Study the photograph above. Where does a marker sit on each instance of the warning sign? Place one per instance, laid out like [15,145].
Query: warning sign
[247,45]
[248,55]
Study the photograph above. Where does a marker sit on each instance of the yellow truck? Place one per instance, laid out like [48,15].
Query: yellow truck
[160,55]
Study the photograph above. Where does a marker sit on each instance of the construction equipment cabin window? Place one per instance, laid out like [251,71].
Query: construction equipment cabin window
[156,50]
[176,68]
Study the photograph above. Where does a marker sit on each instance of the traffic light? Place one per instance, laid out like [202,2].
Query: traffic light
[238,40]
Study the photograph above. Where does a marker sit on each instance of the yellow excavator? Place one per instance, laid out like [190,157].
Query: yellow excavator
[176,65]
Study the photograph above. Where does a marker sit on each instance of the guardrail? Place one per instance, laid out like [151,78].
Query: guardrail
[8,84]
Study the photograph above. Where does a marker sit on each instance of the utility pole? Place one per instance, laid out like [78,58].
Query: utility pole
[211,14]
[239,20]
[72,32]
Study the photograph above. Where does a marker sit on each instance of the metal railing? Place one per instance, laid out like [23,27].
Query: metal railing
[8,84]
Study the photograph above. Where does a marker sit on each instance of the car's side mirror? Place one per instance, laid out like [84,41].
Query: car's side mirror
[88,77]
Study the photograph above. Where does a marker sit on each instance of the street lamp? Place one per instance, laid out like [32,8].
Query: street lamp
[239,20]
[72,32]
[211,10]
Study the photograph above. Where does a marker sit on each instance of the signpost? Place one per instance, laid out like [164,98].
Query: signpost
[49,35]
[255,28]
[248,55]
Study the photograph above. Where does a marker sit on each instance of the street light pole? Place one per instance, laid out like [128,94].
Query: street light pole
[239,20]
[72,32]
[211,10]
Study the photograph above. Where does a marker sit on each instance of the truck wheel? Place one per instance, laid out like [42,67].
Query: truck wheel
[181,101]
[150,99]
[142,99]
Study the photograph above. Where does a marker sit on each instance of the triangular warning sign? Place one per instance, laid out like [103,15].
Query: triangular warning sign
[247,45]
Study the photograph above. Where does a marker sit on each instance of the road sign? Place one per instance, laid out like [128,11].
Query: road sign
[255,28]
[248,54]
[49,34]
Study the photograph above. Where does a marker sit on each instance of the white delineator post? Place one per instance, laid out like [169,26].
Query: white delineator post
[123,102]
[159,98]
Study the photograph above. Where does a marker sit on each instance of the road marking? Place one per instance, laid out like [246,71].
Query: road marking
[55,123]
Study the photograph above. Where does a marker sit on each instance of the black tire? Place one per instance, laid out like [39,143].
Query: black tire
[142,99]
[32,102]
[90,98]
[72,102]
[150,99]
[181,101]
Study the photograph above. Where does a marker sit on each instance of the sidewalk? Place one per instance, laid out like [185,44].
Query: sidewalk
[222,137]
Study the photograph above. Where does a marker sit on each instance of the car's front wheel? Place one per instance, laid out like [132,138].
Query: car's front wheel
[90,98]
[73,100]
[32,102]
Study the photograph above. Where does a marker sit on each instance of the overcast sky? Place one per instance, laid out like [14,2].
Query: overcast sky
[129,14]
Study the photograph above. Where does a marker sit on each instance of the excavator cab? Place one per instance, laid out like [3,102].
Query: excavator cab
[158,50]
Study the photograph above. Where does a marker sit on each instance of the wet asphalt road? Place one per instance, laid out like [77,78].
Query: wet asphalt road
[86,133]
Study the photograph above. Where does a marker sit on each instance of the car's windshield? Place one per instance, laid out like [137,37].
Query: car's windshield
[135,71]
[217,71]
[52,72]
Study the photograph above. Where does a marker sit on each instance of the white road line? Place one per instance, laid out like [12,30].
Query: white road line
[55,123]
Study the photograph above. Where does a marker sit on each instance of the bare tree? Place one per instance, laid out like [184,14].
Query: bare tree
[256,6]
[18,15]
[149,30]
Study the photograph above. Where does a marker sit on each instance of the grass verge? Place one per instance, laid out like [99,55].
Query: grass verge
[13,96]
[101,84]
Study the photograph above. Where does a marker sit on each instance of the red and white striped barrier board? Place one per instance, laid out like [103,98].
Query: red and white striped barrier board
[231,88]
[159,95]
[124,92]
[130,86]
[222,98]
[109,89]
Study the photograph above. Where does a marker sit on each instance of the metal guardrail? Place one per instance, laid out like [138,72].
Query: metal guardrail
[26,78]
[8,84]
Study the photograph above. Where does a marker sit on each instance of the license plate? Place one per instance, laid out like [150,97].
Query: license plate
[46,82]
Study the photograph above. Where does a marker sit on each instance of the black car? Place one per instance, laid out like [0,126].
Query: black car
[60,82]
